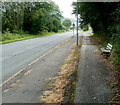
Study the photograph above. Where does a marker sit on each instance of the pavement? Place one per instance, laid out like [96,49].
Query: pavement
[93,74]
[17,55]
[27,87]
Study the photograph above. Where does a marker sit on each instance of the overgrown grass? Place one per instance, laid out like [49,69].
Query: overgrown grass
[115,54]
[90,32]
[8,37]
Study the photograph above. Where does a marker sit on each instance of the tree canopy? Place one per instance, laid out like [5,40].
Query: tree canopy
[67,23]
[104,18]
[31,17]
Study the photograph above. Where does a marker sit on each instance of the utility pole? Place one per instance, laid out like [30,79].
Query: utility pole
[77,22]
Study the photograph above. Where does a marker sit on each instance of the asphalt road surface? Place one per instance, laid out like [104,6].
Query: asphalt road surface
[17,55]
[28,88]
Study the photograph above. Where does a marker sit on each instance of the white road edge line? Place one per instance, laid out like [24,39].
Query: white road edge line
[34,62]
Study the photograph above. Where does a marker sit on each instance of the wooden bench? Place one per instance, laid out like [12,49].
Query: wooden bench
[107,50]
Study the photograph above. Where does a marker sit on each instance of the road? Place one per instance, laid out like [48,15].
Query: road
[28,88]
[18,55]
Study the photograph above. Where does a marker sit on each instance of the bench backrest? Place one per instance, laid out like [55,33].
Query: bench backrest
[109,46]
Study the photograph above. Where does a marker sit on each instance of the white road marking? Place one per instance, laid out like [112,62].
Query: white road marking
[12,77]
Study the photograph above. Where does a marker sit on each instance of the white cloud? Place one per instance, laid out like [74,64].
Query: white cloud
[66,7]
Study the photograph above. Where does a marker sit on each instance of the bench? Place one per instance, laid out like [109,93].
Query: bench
[107,50]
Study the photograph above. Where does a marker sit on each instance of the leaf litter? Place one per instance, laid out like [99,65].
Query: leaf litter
[61,81]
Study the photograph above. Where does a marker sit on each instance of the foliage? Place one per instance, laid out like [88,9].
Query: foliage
[104,18]
[32,17]
[67,23]
[10,37]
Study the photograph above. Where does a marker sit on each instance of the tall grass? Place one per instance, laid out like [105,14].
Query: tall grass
[10,37]
[115,54]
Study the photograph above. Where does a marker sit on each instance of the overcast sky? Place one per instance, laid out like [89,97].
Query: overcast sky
[65,7]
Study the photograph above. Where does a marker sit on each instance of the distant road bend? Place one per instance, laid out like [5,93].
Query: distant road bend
[17,55]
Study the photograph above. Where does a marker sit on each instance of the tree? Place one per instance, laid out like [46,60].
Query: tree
[12,15]
[97,14]
[67,23]
[32,17]
[104,18]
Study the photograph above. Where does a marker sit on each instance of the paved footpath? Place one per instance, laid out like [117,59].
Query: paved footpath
[28,87]
[92,75]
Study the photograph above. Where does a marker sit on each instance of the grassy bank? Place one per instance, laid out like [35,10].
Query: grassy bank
[102,41]
[11,37]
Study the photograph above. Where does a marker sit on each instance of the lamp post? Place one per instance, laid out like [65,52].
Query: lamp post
[77,22]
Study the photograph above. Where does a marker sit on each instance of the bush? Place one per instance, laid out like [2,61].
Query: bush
[10,36]
[116,47]
[43,32]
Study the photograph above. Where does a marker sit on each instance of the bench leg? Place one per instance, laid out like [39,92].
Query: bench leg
[107,55]
[101,53]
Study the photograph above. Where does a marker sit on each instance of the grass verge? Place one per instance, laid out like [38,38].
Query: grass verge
[10,37]
[64,84]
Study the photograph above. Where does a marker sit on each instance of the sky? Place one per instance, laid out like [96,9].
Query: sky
[66,7]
